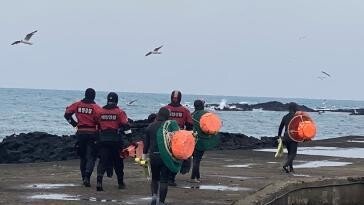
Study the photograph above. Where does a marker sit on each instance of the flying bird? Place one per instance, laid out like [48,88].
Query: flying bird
[131,102]
[321,77]
[155,51]
[26,39]
[326,73]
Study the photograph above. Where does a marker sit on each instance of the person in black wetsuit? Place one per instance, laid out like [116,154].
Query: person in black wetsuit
[287,141]
[160,172]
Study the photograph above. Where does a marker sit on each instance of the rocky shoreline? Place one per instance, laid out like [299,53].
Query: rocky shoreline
[44,147]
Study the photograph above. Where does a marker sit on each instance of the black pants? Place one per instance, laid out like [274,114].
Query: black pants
[109,153]
[292,151]
[197,157]
[87,152]
[160,177]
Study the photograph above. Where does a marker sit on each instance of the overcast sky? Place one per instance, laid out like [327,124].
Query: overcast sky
[236,47]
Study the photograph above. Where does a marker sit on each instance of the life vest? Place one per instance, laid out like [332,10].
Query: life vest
[210,123]
[301,127]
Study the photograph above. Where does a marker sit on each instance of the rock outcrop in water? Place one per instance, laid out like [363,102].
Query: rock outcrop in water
[44,147]
[268,106]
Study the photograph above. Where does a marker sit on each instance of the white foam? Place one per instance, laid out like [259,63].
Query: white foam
[326,151]
[301,175]
[235,177]
[64,197]
[219,188]
[357,141]
[323,163]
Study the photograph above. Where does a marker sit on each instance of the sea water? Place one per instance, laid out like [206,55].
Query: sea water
[29,110]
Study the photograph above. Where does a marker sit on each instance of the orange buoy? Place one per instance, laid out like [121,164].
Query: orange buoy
[182,144]
[210,123]
[301,127]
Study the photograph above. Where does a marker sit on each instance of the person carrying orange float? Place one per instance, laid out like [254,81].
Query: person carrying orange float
[167,146]
[206,125]
[299,127]
[183,117]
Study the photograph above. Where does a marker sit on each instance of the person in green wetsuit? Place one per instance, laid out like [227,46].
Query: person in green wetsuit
[203,141]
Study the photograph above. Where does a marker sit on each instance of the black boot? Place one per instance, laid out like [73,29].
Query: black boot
[285,168]
[99,184]
[86,182]
[121,184]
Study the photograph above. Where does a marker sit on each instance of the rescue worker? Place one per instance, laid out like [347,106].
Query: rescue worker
[86,112]
[183,117]
[160,172]
[203,141]
[287,141]
[112,121]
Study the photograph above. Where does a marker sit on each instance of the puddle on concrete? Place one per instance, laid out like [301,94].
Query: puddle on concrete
[64,197]
[218,188]
[326,151]
[235,177]
[48,186]
[323,163]
[301,175]
[229,160]
[272,162]
[239,165]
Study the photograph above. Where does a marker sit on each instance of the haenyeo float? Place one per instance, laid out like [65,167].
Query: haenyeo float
[174,145]
[301,127]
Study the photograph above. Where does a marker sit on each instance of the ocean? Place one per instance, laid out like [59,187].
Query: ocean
[29,110]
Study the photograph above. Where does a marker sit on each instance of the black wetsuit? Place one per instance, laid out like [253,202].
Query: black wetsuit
[287,141]
[160,173]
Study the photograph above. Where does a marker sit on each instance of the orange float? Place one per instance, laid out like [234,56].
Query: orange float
[182,144]
[210,123]
[301,127]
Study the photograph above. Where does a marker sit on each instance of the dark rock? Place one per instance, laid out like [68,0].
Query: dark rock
[44,147]
[269,106]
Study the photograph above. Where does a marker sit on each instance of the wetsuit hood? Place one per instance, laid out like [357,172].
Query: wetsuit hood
[89,95]
[176,97]
[163,114]
[292,107]
[199,105]
[112,98]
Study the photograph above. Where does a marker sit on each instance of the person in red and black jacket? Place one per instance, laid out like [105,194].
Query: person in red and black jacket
[183,117]
[112,121]
[86,112]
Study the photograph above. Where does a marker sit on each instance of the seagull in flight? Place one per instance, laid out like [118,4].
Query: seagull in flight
[26,39]
[155,51]
[326,73]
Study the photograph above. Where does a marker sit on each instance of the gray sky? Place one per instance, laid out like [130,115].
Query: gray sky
[236,47]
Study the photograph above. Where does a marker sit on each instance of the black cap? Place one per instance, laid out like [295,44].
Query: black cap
[163,114]
[176,97]
[199,104]
[90,94]
[112,98]
[292,107]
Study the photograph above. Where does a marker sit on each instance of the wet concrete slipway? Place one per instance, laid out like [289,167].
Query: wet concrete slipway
[327,172]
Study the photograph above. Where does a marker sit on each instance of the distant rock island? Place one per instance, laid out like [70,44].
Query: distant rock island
[275,106]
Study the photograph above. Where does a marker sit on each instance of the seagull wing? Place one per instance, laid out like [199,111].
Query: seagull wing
[326,73]
[148,53]
[156,49]
[29,35]
[15,42]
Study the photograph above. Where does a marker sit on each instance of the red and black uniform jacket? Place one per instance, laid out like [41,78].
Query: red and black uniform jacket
[111,120]
[181,114]
[86,113]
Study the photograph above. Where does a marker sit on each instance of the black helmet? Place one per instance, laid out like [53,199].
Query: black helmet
[90,94]
[112,98]
[163,114]
[199,104]
[176,97]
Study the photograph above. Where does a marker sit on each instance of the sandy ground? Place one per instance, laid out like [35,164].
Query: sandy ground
[240,172]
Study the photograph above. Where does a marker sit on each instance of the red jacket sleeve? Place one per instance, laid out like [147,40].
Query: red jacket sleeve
[72,108]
